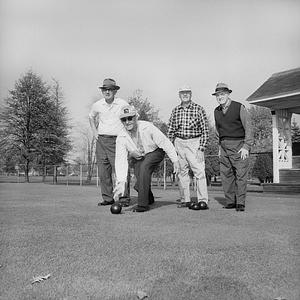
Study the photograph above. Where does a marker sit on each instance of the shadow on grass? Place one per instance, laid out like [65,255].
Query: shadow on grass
[221,200]
[156,204]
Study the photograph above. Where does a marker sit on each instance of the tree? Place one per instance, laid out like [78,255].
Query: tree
[145,109]
[212,165]
[33,124]
[261,125]
[295,132]
[263,167]
[87,149]
[55,139]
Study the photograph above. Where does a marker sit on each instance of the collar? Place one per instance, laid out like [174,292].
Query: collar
[113,103]
[227,105]
[190,104]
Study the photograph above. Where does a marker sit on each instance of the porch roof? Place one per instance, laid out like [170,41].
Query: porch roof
[280,91]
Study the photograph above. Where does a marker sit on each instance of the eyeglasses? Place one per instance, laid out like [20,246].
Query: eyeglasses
[127,119]
[106,90]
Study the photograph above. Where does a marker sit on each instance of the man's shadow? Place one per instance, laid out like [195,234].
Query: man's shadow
[221,200]
[156,204]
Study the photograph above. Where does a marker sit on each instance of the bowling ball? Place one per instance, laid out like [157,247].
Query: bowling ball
[191,204]
[195,206]
[202,205]
[116,208]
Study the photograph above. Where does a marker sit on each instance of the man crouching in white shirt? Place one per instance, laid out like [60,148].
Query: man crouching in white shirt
[146,145]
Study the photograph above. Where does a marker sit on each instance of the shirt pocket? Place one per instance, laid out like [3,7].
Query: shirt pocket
[194,122]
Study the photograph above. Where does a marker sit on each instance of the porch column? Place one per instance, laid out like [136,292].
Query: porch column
[282,142]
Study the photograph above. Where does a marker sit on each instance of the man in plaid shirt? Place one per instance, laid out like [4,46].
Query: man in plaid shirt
[188,130]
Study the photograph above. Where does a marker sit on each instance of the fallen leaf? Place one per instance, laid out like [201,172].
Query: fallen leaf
[141,295]
[40,278]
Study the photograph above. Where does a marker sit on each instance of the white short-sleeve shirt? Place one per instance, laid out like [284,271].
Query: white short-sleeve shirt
[109,116]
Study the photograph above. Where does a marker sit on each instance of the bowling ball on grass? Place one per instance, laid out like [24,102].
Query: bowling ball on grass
[116,208]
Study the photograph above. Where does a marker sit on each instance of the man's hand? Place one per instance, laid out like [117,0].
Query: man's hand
[200,155]
[244,153]
[119,190]
[176,167]
[136,155]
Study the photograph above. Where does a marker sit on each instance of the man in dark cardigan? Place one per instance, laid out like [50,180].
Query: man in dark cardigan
[235,140]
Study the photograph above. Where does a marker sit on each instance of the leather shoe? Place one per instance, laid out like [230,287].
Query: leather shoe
[230,206]
[151,201]
[240,207]
[140,208]
[105,202]
[124,202]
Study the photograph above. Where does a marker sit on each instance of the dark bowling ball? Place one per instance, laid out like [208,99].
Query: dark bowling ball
[202,205]
[190,206]
[116,208]
[199,206]
[195,206]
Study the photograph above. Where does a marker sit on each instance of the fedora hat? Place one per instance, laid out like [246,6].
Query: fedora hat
[128,111]
[221,87]
[109,83]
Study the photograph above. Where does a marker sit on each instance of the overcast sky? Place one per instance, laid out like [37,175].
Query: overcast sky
[152,45]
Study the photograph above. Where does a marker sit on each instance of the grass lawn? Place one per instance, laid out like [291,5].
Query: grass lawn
[167,252]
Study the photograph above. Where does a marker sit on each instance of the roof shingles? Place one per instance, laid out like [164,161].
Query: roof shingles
[279,84]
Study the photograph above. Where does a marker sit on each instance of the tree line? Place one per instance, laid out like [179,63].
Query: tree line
[35,130]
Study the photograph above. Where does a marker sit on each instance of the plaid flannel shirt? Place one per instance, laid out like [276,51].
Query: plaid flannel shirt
[189,122]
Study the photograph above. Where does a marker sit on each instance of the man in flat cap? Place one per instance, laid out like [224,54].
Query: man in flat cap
[188,130]
[235,140]
[105,123]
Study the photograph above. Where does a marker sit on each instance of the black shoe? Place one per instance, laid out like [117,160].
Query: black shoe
[125,202]
[105,202]
[230,206]
[191,204]
[140,208]
[240,207]
[151,202]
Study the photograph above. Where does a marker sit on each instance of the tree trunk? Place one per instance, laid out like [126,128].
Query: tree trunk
[44,171]
[26,171]
[55,174]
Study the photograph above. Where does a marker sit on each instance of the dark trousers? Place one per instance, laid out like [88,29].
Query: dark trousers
[143,170]
[105,153]
[234,171]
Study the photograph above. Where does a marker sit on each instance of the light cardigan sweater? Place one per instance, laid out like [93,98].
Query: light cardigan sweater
[151,139]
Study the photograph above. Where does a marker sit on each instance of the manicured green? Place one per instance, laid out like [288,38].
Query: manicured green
[168,252]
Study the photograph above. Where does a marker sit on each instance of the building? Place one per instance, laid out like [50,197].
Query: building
[281,94]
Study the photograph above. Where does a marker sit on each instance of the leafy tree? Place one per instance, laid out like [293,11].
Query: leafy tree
[212,164]
[33,124]
[55,138]
[295,132]
[263,167]
[261,125]
[87,149]
[145,109]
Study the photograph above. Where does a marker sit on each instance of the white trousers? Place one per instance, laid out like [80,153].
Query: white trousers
[187,154]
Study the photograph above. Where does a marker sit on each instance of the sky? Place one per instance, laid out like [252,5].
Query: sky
[152,45]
